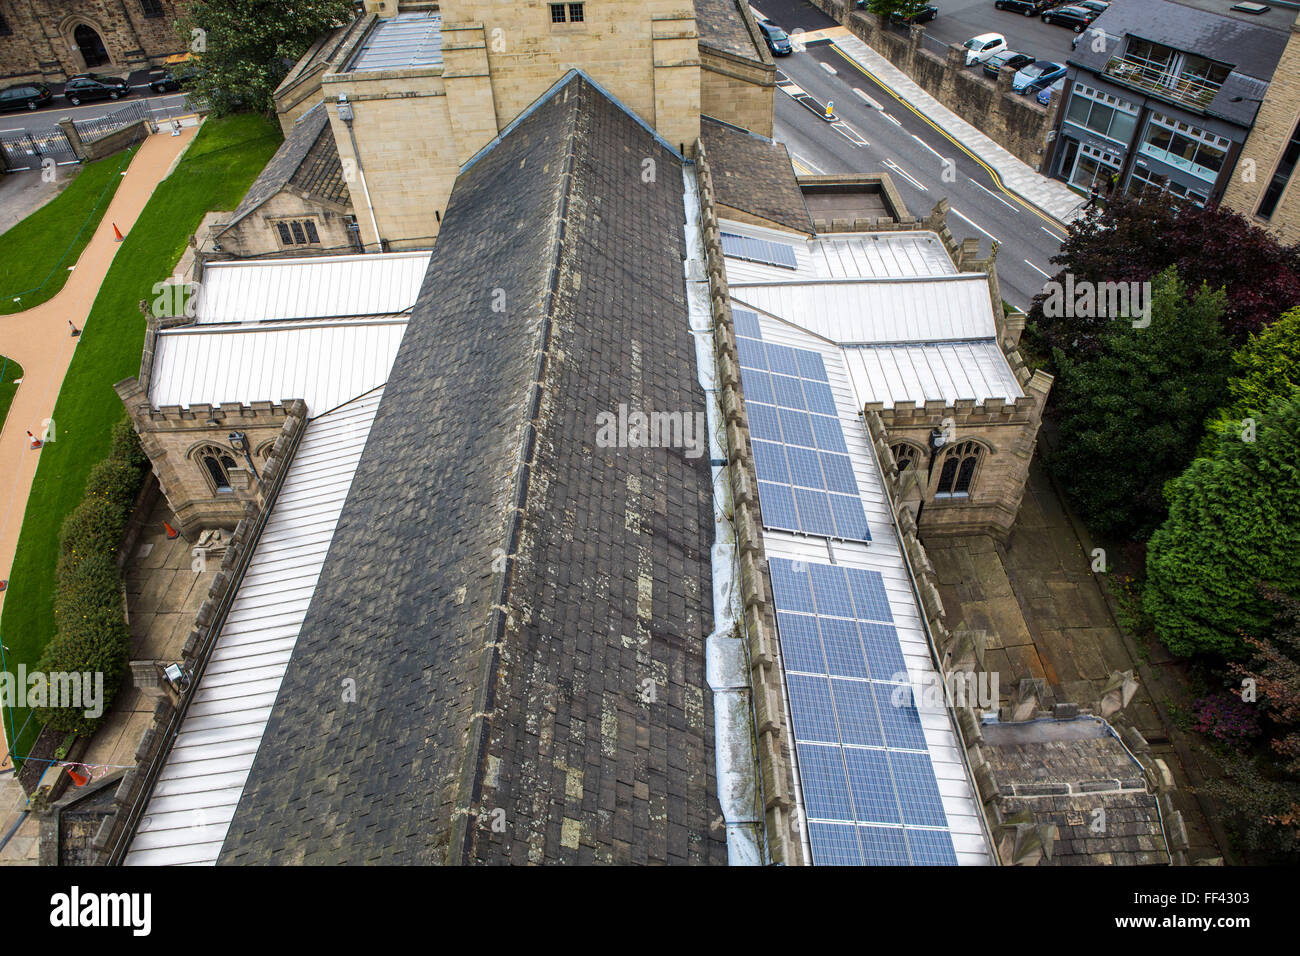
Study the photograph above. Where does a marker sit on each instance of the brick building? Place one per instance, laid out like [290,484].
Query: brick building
[52,40]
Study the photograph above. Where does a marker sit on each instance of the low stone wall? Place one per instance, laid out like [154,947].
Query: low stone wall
[1018,123]
[89,151]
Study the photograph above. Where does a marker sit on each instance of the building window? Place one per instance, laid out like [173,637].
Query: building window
[5,29]
[151,8]
[1186,147]
[1145,181]
[1093,166]
[217,464]
[567,13]
[557,13]
[1276,186]
[576,13]
[1103,114]
[298,232]
[958,470]
[906,455]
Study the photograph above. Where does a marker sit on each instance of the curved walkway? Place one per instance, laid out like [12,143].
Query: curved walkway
[39,340]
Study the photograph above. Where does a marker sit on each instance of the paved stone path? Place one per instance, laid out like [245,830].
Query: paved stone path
[38,339]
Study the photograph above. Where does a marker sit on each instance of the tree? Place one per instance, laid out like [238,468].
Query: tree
[1266,368]
[901,9]
[246,47]
[1275,671]
[1135,239]
[1130,416]
[1234,521]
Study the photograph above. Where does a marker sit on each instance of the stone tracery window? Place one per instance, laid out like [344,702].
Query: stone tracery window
[216,463]
[958,472]
[906,455]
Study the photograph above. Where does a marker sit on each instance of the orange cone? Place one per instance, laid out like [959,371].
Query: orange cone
[79,778]
[172,533]
[117,233]
[36,442]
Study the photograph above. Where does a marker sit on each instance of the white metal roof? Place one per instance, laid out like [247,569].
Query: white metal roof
[884,555]
[198,790]
[878,311]
[401,42]
[323,363]
[315,287]
[880,255]
[920,373]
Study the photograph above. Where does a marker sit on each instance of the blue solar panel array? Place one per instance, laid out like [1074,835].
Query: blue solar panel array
[805,475]
[869,789]
[759,250]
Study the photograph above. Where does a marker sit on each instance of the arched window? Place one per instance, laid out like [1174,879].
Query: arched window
[90,45]
[906,455]
[216,463]
[958,472]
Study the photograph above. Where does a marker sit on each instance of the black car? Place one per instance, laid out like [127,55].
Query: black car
[25,96]
[1098,7]
[924,15]
[778,41]
[1007,58]
[1029,8]
[1076,18]
[94,86]
[164,82]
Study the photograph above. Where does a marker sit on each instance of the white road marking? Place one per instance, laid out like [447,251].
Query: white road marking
[868,100]
[925,144]
[899,169]
[849,133]
[803,162]
[792,89]
[994,195]
[1052,234]
[891,119]
[1035,268]
[958,214]
[828,68]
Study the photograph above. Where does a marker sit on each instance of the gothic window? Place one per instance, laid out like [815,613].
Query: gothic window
[216,463]
[958,472]
[906,455]
[298,232]
[151,8]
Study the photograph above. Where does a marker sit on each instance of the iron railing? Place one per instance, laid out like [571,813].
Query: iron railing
[1184,88]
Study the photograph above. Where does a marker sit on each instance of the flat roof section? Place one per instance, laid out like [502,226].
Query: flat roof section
[400,43]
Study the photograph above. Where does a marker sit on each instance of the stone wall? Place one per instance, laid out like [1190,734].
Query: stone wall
[256,234]
[1017,123]
[771,719]
[736,91]
[42,46]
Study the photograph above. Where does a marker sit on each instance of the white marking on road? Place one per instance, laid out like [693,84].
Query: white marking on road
[792,89]
[891,119]
[899,169]
[958,214]
[828,68]
[866,99]
[1052,234]
[994,196]
[804,162]
[849,133]
[926,145]
[1036,269]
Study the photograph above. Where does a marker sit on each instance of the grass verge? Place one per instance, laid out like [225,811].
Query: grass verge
[63,226]
[215,173]
[10,371]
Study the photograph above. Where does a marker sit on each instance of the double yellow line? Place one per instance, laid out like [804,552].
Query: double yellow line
[997,180]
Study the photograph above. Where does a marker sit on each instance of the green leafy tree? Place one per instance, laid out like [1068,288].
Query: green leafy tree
[1266,368]
[902,9]
[1130,415]
[246,47]
[1234,521]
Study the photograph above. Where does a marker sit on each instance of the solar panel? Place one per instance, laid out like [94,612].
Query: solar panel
[758,250]
[797,439]
[868,785]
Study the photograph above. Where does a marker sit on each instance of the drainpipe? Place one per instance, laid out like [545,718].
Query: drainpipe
[345,114]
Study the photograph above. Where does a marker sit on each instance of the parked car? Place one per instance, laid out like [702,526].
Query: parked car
[94,86]
[1006,59]
[778,41]
[1036,76]
[924,15]
[1030,8]
[164,82]
[1045,94]
[980,48]
[1076,18]
[1098,7]
[25,96]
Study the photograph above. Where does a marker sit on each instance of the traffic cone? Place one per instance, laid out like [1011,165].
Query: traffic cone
[79,778]
[117,233]
[36,442]
[172,533]
[3,585]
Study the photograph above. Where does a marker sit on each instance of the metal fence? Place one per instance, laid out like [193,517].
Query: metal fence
[29,149]
[95,129]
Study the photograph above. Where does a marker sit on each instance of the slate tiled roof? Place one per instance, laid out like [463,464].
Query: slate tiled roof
[308,158]
[1064,773]
[499,587]
[754,175]
[722,26]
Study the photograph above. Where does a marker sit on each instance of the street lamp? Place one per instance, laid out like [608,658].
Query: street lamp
[239,442]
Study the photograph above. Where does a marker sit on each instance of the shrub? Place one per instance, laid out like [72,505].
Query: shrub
[91,585]
[98,642]
[94,527]
[1226,718]
[115,481]
[126,446]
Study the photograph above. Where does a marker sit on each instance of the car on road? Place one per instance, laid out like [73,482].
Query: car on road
[1098,7]
[980,48]
[1029,8]
[1076,18]
[164,82]
[1045,94]
[1035,76]
[1007,59]
[85,87]
[25,96]
[778,41]
[924,15]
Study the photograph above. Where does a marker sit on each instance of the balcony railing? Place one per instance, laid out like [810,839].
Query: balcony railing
[1184,88]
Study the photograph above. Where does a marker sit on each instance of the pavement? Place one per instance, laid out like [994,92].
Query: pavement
[21,194]
[39,340]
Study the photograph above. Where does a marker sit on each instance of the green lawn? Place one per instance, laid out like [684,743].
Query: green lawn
[9,370]
[61,228]
[214,174]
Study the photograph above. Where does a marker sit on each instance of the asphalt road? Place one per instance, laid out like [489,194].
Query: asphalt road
[879,133]
[161,105]
[959,20]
